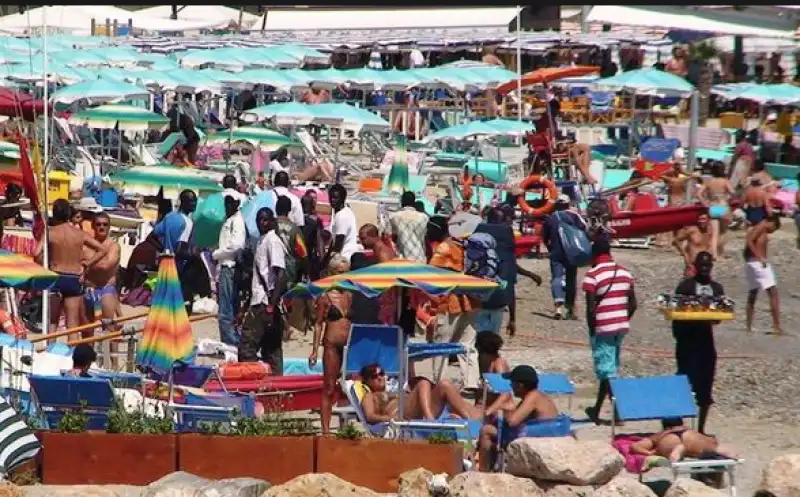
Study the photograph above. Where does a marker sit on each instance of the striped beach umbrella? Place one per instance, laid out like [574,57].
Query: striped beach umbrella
[9,150]
[374,280]
[147,180]
[17,271]
[398,175]
[18,443]
[125,117]
[255,134]
[167,335]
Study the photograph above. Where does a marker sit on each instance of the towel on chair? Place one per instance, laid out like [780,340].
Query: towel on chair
[634,463]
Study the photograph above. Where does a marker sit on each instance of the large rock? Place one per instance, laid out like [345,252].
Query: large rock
[781,476]
[474,484]
[564,460]
[414,483]
[318,485]
[624,487]
[9,490]
[76,491]
[563,490]
[686,487]
[181,484]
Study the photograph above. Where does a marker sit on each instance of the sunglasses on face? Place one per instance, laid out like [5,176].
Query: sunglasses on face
[378,374]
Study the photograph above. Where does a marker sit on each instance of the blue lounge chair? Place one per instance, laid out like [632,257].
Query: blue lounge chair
[386,345]
[662,397]
[55,396]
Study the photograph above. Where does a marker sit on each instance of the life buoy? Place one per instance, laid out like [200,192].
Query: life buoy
[534,180]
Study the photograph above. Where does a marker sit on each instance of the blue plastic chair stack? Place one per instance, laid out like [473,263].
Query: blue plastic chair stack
[56,396]
[601,107]
[663,397]
[386,345]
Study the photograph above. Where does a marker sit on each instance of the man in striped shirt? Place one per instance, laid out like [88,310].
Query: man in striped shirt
[610,304]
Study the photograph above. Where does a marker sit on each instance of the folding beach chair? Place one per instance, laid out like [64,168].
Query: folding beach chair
[385,345]
[55,396]
[661,397]
[601,107]
[550,384]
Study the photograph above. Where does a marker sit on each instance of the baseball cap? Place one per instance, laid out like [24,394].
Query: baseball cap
[523,374]
[563,199]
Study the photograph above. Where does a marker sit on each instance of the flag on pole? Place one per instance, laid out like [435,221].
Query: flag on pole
[30,186]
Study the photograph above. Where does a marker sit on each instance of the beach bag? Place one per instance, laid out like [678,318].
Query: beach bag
[243,271]
[481,259]
[574,242]
[296,253]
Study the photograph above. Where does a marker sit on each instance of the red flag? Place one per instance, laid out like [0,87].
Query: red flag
[29,185]
[651,170]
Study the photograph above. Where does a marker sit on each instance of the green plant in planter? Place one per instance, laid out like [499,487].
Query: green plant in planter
[74,421]
[441,438]
[270,425]
[138,422]
[349,432]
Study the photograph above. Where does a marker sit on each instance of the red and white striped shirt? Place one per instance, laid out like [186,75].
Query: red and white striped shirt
[610,283]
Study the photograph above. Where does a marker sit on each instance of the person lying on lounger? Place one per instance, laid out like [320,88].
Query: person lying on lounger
[676,441]
[534,406]
[426,400]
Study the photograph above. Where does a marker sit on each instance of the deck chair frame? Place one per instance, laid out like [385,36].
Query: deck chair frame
[679,387]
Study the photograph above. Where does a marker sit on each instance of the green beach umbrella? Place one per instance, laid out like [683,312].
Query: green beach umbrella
[147,180]
[398,175]
[208,219]
[127,117]
[254,134]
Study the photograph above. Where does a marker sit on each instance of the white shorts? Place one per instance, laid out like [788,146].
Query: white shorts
[759,276]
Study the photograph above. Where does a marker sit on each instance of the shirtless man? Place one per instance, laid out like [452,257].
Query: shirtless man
[676,181]
[65,244]
[691,240]
[425,401]
[677,441]
[101,280]
[11,216]
[759,273]
[370,238]
[534,405]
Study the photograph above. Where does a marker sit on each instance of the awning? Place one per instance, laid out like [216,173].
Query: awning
[715,22]
[289,20]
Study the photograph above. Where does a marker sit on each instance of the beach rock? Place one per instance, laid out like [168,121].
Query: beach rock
[564,460]
[318,485]
[562,490]
[781,477]
[9,490]
[182,484]
[686,487]
[624,487]
[474,484]
[414,483]
[75,491]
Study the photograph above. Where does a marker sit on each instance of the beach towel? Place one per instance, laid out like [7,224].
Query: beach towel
[634,463]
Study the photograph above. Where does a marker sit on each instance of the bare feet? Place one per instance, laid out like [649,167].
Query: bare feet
[777,332]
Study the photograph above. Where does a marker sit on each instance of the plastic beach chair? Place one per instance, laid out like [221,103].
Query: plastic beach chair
[601,107]
[661,397]
[386,345]
[55,396]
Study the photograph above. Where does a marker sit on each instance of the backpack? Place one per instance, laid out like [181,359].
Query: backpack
[290,235]
[481,259]
[243,271]
[574,242]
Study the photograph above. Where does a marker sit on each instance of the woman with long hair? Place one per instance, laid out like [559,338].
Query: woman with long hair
[332,328]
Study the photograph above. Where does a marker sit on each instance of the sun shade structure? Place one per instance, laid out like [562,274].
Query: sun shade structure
[398,175]
[546,75]
[292,114]
[17,271]
[777,94]
[167,335]
[479,128]
[254,134]
[99,91]
[374,280]
[125,117]
[647,81]
[146,180]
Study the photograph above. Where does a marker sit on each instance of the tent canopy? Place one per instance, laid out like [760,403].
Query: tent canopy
[220,15]
[721,23]
[290,20]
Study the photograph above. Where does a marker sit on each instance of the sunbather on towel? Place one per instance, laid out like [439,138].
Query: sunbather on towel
[534,406]
[426,400]
[677,441]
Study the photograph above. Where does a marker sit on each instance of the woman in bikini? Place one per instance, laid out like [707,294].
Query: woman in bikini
[716,193]
[676,441]
[488,345]
[332,326]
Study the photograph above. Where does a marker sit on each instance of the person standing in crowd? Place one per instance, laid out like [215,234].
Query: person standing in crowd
[370,239]
[759,273]
[744,157]
[332,327]
[563,275]
[691,240]
[65,245]
[343,225]
[695,353]
[232,238]
[312,233]
[230,187]
[456,314]
[490,316]
[408,228]
[101,279]
[716,193]
[610,305]
[263,329]
[281,189]
[677,64]
[12,216]
[296,252]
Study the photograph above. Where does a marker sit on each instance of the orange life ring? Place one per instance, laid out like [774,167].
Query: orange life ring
[530,181]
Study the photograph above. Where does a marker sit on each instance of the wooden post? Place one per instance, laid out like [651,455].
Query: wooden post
[92,26]
[130,26]
[108,26]
[115,29]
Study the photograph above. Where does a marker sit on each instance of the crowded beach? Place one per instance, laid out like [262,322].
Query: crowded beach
[416,241]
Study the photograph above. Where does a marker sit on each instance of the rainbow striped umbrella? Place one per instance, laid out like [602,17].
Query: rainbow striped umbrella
[398,175]
[19,272]
[167,335]
[374,280]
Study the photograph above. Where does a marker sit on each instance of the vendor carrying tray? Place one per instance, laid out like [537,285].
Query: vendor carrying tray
[673,315]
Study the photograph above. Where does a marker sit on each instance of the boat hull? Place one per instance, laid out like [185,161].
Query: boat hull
[628,224]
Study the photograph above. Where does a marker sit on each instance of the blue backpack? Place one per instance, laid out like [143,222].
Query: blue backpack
[574,242]
[481,259]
